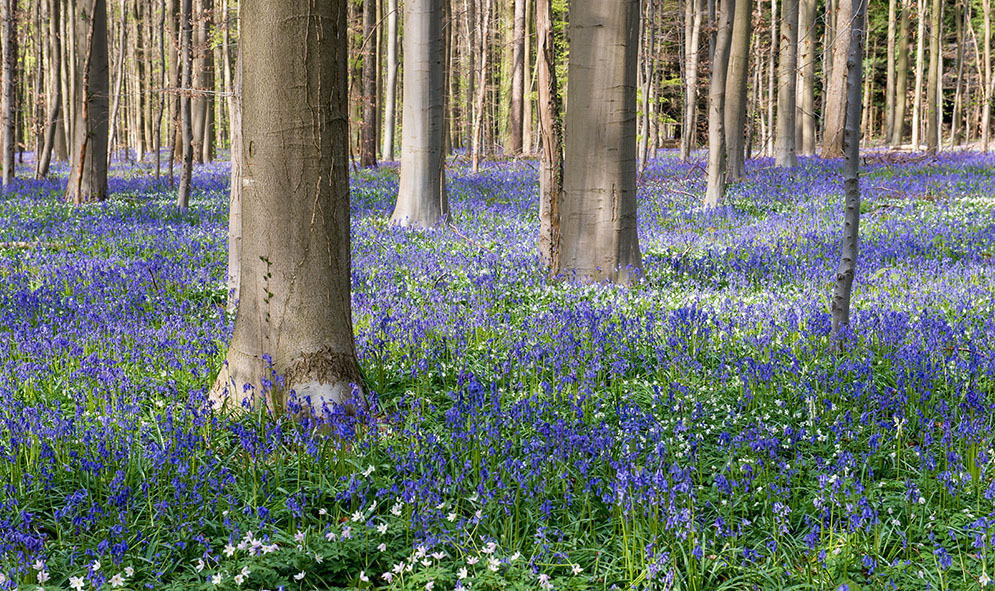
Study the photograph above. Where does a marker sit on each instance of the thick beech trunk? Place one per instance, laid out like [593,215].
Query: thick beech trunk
[551,134]
[934,88]
[735,98]
[901,75]
[786,155]
[88,175]
[693,13]
[598,239]
[368,128]
[186,125]
[716,187]
[421,194]
[293,329]
[832,141]
[805,112]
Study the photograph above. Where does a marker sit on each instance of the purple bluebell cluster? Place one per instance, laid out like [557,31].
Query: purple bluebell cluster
[696,430]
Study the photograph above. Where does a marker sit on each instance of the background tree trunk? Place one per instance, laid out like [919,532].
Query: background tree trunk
[889,89]
[920,65]
[934,85]
[851,170]
[390,90]
[901,75]
[986,109]
[9,99]
[54,124]
[735,96]
[805,113]
[294,304]
[515,121]
[835,111]
[88,177]
[786,156]
[551,134]
[421,195]
[716,105]
[186,125]
[598,236]
[694,12]
[368,130]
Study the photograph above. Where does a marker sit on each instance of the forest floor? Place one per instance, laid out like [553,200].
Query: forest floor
[696,431]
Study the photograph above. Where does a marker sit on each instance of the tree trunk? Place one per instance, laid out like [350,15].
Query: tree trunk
[959,15]
[186,125]
[235,193]
[368,128]
[986,109]
[477,131]
[88,176]
[786,156]
[832,142]
[851,170]
[9,100]
[294,316]
[920,66]
[735,96]
[390,91]
[934,85]
[694,12]
[716,106]
[901,76]
[122,48]
[889,89]
[55,90]
[598,239]
[771,80]
[421,195]
[805,113]
[517,79]
[551,135]
[528,141]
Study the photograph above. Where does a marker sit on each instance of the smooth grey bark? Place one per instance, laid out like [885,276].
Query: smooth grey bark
[716,171]
[390,90]
[517,79]
[421,194]
[960,15]
[768,147]
[54,123]
[920,66]
[9,100]
[647,52]
[477,128]
[786,156]
[294,306]
[934,83]
[693,13]
[88,175]
[986,109]
[235,191]
[202,81]
[735,97]
[843,287]
[835,104]
[186,125]
[551,136]
[598,239]
[119,83]
[889,89]
[901,75]
[368,129]
[805,112]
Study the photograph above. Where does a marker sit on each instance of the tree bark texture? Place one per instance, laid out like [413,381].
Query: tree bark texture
[598,239]
[832,141]
[88,176]
[516,104]
[851,168]
[735,98]
[186,124]
[786,91]
[368,130]
[54,123]
[9,99]
[889,89]
[551,136]
[934,88]
[693,14]
[421,195]
[805,112]
[293,329]
[390,89]
[716,184]
[901,75]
